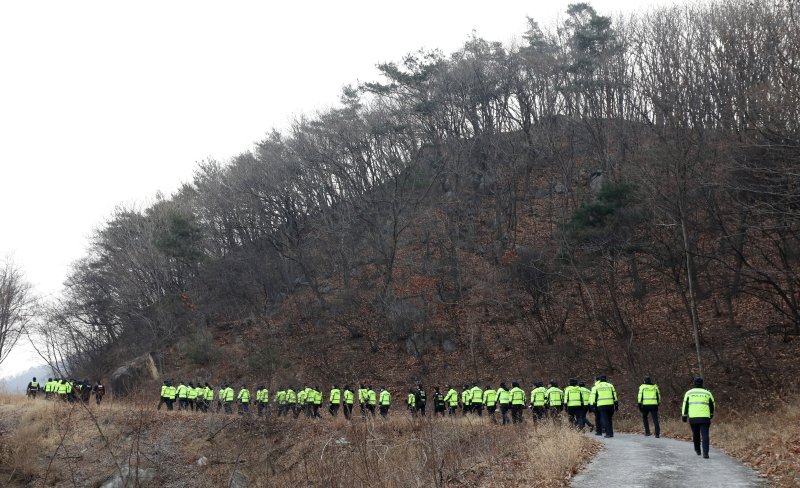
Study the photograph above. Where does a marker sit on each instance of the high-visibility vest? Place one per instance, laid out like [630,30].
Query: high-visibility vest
[363,396]
[208,393]
[35,385]
[291,397]
[573,397]
[697,403]
[244,395]
[412,399]
[555,397]
[62,388]
[649,395]
[386,398]
[348,397]
[517,396]
[371,398]
[191,392]
[489,397]
[451,398]
[539,396]
[503,396]
[317,397]
[603,394]
[301,397]
[585,394]
[48,387]
[172,392]
[335,397]
[228,397]
[476,395]
[183,392]
[164,391]
[280,397]
[466,397]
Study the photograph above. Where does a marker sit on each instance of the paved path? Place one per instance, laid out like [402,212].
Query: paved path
[637,461]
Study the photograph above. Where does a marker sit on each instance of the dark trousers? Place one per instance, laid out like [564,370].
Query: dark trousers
[384,410]
[586,417]
[441,410]
[371,409]
[334,409]
[516,413]
[478,407]
[537,413]
[453,409]
[504,408]
[554,412]
[652,411]
[421,409]
[607,419]
[261,406]
[348,410]
[700,430]
[598,421]
[577,416]
[168,402]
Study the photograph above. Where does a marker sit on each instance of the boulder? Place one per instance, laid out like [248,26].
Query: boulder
[128,477]
[128,376]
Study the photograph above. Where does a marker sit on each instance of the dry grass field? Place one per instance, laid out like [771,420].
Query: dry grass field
[48,443]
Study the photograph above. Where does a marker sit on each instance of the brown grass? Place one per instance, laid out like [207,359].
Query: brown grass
[767,441]
[56,444]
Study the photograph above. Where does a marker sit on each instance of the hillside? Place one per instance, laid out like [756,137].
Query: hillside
[571,205]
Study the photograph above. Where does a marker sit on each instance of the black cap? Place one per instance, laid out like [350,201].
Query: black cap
[647,380]
[573,382]
[698,381]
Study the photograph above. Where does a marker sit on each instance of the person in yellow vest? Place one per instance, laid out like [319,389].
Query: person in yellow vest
[585,394]
[244,400]
[183,396]
[504,399]
[466,400]
[33,388]
[199,398]
[334,400]
[48,389]
[648,399]
[476,395]
[538,400]
[262,399]
[349,399]
[372,400]
[604,399]
[317,401]
[517,402]
[191,396]
[301,402]
[698,409]
[280,399]
[208,397]
[171,393]
[490,401]
[411,402]
[227,395]
[291,400]
[451,400]
[163,397]
[573,400]
[386,401]
[555,399]
[362,399]
[61,389]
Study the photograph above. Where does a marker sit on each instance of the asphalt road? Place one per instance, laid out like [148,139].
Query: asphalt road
[636,461]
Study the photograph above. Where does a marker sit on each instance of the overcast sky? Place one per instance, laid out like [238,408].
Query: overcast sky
[106,103]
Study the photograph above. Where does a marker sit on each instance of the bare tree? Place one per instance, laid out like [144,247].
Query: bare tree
[17,306]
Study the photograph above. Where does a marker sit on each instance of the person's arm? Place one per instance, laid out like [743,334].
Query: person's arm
[711,404]
[685,407]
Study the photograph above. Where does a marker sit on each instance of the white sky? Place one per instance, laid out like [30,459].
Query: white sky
[103,103]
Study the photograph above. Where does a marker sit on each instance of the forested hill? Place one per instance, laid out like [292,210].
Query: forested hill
[616,195]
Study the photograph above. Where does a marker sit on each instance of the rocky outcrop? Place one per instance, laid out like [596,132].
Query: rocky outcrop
[125,378]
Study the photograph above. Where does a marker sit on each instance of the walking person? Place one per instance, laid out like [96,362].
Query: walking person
[604,399]
[347,408]
[538,400]
[517,402]
[334,399]
[451,400]
[698,409]
[386,401]
[504,399]
[649,399]
[573,399]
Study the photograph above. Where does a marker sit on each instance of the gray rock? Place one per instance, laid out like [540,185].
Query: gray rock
[129,477]
[203,461]
[448,345]
[559,188]
[596,181]
[127,377]
[239,480]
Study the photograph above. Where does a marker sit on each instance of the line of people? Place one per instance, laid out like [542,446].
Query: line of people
[68,390]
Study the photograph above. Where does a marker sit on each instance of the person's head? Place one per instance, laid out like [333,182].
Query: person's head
[436,389]
[411,390]
[503,386]
[34,378]
[487,387]
[335,386]
[419,386]
[539,384]
[582,384]
[361,385]
[554,383]
[49,379]
[448,386]
[602,377]
[465,386]
[698,381]
[573,382]
[647,380]
[369,387]
[514,384]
